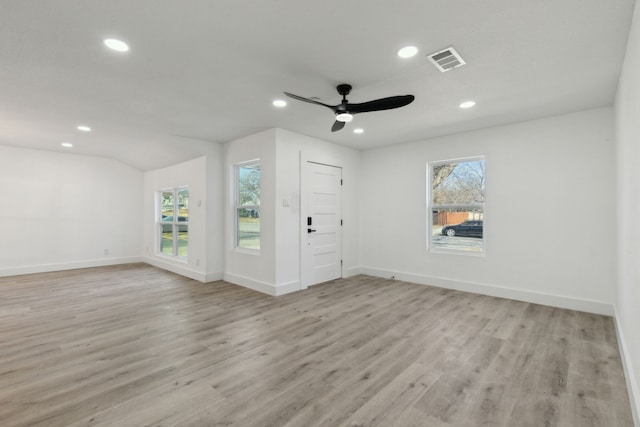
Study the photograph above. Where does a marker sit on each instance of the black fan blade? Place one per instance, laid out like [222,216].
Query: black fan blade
[311,101]
[381,104]
[337,126]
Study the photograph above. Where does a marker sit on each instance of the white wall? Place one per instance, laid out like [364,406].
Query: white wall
[627,127]
[204,261]
[276,269]
[62,211]
[253,270]
[293,151]
[214,232]
[549,215]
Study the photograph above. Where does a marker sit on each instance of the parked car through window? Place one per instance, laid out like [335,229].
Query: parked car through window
[465,229]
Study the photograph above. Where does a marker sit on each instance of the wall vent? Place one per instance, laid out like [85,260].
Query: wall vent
[447,59]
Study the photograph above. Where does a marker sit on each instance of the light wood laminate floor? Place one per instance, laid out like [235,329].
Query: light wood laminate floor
[135,345]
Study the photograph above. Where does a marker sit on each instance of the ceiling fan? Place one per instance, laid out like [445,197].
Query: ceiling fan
[345,110]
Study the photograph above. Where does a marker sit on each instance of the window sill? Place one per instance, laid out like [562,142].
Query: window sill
[455,252]
[248,251]
[173,258]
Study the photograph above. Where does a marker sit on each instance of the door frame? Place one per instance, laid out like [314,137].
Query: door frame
[304,195]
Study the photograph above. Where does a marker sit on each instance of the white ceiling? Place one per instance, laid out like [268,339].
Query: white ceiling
[204,71]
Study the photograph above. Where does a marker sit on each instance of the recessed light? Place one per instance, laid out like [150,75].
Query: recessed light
[117,45]
[67,144]
[467,104]
[408,52]
[358,130]
[279,103]
[83,128]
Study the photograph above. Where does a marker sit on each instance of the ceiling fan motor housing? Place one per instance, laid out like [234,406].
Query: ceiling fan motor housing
[344,89]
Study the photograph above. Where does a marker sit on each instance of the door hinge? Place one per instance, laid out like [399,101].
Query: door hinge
[340,263]
[340,222]
[340,182]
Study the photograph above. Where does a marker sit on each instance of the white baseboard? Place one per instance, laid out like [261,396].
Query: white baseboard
[560,301]
[350,272]
[633,385]
[183,270]
[45,268]
[287,288]
[213,277]
[264,287]
[256,285]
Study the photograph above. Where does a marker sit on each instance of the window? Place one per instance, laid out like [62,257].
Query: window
[173,223]
[248,205]
[456,204]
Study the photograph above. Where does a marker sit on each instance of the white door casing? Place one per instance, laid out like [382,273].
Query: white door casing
[322,238]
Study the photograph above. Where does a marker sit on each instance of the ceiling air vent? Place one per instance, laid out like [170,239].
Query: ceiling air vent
[447,59]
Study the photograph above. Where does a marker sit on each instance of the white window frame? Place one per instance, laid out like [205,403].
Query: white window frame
[175,223]
[238,206]
[431,206]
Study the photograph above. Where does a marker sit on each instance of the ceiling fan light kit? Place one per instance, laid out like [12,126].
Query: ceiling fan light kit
[345,110]
[344,117]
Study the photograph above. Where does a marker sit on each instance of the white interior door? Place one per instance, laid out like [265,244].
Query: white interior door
[322,229]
